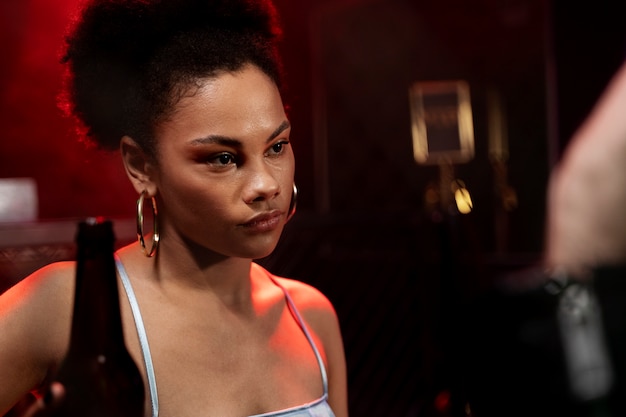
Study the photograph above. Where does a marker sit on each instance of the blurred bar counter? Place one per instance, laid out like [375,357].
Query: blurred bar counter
[27,246]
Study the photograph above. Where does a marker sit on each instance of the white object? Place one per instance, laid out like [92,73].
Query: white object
[18,199]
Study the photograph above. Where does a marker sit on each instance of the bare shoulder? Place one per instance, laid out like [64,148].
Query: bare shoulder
[305,295]
[312,304]
[45,287]
[39,306]
[35,319]
[316,309]
[319,313]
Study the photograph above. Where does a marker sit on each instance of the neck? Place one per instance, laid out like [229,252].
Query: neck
[177,269]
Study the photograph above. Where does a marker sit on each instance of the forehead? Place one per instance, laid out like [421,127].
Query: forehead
[231,103]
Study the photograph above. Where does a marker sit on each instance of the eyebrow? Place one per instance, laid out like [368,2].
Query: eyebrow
[228,141]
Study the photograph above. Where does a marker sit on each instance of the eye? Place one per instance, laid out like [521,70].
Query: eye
[278,147]
[222,159]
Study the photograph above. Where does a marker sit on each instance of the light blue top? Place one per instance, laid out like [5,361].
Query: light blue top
[318,408]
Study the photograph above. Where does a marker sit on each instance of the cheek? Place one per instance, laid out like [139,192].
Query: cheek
[198,213]
[289,168]
[185,197]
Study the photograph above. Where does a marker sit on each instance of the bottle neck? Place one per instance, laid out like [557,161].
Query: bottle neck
[96,323]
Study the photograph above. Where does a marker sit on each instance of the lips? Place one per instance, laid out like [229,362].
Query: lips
[264,222]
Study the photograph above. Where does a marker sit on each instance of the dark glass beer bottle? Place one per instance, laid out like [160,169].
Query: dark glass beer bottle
[99,375]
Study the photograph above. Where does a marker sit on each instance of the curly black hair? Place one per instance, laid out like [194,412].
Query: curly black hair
[129,61]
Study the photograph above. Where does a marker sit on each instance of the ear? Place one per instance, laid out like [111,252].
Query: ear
[140,166]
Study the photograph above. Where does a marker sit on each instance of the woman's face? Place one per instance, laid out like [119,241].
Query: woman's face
[225,166]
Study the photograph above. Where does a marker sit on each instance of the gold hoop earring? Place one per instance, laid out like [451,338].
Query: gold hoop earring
[155,229]
[294,203]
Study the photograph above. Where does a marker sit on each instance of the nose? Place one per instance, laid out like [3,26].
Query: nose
[262,184]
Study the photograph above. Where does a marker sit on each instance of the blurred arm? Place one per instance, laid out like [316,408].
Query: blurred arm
[587,191]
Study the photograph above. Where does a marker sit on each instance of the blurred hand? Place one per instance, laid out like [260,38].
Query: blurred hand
[43,406]
[587,191]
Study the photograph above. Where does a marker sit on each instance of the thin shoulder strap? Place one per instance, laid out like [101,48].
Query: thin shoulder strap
[141,333]
[305,330]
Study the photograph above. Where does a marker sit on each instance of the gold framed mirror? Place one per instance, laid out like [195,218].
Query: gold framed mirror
[441,122]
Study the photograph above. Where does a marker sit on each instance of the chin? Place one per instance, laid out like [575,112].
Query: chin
[258,251]
[262,254]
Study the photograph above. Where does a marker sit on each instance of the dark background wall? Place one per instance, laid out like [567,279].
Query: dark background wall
[400,272]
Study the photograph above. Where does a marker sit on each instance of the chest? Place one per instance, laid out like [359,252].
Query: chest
[227,365]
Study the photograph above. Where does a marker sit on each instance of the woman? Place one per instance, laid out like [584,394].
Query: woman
[188,90]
